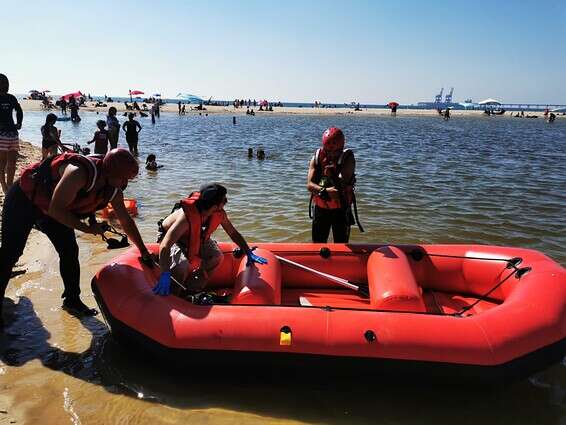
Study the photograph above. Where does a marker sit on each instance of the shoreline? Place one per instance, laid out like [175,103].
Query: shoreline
[36,105]
[30,263]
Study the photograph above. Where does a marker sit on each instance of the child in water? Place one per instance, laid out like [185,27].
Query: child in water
[100,138]
[151,163]
[50,137]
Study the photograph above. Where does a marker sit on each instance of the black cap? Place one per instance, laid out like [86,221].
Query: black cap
[212,194]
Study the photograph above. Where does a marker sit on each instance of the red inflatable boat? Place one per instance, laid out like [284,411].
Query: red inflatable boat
[468,308]
[130,204]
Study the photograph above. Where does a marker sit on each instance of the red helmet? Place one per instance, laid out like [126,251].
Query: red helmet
[120,163]
[333,140]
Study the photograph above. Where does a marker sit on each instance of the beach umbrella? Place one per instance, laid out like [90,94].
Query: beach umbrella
[76,95]
[393,104]
[135,93]
[489,102]
[189,97]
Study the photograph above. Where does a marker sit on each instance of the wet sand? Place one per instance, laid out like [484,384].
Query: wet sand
[35,105]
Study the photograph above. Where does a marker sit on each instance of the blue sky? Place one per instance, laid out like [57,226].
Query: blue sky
[366,51]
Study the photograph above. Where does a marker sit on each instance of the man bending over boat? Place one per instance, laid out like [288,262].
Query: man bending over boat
[186,249]
[53,196]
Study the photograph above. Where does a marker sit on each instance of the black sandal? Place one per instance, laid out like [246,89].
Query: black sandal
[78,308]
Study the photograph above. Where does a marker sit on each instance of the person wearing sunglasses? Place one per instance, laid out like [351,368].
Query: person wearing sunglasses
[186,248]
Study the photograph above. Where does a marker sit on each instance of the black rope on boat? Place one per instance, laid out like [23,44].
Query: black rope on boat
[512,263]
[518,273]
[417,255]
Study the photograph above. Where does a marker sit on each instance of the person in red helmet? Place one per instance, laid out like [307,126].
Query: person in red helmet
[54,196]
[330,181]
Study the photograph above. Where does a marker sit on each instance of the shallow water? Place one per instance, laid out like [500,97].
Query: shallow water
[495,180]
[472,180]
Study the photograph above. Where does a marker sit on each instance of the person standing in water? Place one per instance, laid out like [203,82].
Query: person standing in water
[50,137]
[113,127]
[132,129]
[100,138]
[74,107]
[9,137]
[63,104]
[330,180]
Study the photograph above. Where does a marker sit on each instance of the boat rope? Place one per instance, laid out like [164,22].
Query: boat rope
[512,263]
[417,255]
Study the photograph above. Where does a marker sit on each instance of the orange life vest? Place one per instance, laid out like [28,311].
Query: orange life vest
[199,232]
[39,180]
[320,162]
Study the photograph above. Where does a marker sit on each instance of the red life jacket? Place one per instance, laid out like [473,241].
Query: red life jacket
[199,232]
[39,180]
[320,162]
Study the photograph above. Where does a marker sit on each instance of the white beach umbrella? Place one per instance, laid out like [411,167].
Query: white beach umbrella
[489,101]
[189,97]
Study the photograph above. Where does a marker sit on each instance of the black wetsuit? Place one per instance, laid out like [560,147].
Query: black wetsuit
[132,135]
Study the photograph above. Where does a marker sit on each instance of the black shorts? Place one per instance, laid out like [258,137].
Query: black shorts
[131,138]
[47,144]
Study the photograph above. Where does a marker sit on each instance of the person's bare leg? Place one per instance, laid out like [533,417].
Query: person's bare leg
[11,167]
[3,158]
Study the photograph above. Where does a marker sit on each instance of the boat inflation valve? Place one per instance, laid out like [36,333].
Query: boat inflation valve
[416,254]
[370,336]
[325,252]
[285,336]
[522,271]
[513,262]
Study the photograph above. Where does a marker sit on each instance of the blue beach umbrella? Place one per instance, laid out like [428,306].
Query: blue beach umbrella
[189,97]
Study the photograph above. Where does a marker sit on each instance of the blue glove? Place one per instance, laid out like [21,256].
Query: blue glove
[252,258]
[163,286]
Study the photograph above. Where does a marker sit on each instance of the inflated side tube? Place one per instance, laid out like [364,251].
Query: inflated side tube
[392,284]
[259,283]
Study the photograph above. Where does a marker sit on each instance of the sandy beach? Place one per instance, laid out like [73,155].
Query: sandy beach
[36,105]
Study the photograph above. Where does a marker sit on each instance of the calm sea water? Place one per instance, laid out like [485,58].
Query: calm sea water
[471,180]
[483,180]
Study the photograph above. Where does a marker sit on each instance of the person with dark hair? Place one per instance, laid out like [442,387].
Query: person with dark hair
[63,105]
[132,128]
[186,249]
[100,138]
[151,163]
[50,137]
[54,195]
[74,107]
[113,127]
[9,137]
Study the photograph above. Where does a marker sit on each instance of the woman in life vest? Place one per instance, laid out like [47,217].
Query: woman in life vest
[331,184]
[54,195]
[186,249]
